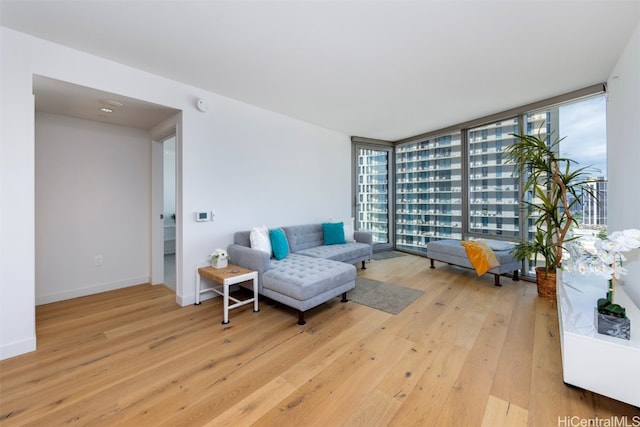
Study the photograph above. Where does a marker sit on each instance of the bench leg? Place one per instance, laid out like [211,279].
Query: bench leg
[496,280]
[515,276]
[432,266]
[301,320]
[344,297]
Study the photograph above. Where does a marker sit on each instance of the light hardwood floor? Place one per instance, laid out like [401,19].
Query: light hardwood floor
[465,353]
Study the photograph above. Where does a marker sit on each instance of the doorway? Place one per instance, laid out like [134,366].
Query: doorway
[169,209]
[164,213]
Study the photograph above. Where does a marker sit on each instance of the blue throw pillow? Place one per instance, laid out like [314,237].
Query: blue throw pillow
[333,233]
[279,243]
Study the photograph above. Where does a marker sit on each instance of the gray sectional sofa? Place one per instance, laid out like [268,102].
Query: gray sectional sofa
[311,273]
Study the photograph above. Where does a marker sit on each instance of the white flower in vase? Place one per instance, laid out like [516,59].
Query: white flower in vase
[606,259]
[219,258]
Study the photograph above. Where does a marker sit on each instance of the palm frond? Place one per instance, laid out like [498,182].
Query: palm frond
[556,185]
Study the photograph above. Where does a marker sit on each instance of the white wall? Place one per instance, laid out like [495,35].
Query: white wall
[250,165]
[17,274]
[92,199]
[623,154]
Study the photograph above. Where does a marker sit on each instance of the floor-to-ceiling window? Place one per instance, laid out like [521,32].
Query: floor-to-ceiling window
[494,191]
[428,191]
[458,185]
[581,127]
[373,177]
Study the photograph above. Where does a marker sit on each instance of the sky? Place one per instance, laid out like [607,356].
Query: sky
[583,124]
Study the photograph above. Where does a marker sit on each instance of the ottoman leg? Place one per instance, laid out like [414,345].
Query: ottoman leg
[496,280]
[515,276]
[344,297]
[432,266]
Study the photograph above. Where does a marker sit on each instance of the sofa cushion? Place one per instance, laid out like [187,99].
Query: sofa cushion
[242,238]
[302,277]
[304,236]
[453,247]
[506,258]
[348,228]
[333,233]
[499,245]
[260,239]
[450,247]
[344,252]
[279,243]
[480,255]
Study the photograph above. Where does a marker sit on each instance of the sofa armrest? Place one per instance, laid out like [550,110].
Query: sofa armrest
[252,259]
[363,237]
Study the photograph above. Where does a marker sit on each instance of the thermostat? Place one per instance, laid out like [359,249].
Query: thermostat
[203,216]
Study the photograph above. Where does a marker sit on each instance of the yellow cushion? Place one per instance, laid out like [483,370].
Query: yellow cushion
[480,255]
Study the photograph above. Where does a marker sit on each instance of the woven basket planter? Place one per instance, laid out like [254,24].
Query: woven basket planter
[546,281]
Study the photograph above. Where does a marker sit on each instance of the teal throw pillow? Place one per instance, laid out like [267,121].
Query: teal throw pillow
[279,243]
[333,233]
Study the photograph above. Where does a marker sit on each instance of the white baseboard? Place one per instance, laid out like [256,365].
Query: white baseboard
[17,348]
[90,290]
[183,301]
[191,299]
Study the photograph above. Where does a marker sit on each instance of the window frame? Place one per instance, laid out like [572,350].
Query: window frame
[519,112]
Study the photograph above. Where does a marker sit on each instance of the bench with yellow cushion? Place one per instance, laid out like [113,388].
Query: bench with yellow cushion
[454,252]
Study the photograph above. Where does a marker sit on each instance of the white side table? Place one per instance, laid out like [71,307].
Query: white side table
[230,275]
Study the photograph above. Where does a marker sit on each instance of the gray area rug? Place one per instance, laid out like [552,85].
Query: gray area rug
[382,296]
[385,255]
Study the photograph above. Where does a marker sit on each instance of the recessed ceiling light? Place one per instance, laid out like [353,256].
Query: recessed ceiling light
[106,110]
[112,103]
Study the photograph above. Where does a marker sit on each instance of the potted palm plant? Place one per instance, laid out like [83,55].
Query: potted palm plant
[554,187]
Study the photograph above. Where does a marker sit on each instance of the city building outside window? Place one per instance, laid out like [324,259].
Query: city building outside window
[438,195]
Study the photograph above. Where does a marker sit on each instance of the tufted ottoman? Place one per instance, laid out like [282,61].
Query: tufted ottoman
[312,272]
[452,252]
[303,282]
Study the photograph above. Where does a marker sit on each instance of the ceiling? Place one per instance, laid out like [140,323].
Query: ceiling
[377,69]
[67,99]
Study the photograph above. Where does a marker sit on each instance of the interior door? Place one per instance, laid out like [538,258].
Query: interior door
[163,236]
